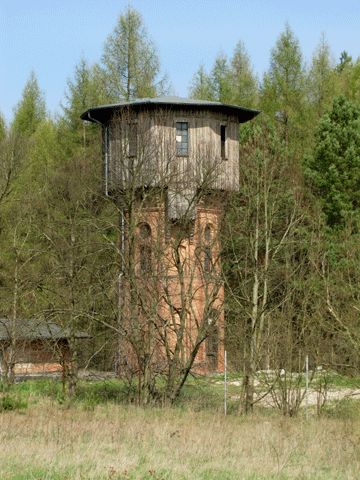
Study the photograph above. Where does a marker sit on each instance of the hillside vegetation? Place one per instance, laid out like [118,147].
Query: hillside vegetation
[291,246]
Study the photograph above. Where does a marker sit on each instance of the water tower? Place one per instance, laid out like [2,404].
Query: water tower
[169,164]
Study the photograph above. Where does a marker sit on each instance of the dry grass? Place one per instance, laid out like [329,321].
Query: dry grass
[48,441]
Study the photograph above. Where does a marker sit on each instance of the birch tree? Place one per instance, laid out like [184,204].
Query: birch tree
[261,222]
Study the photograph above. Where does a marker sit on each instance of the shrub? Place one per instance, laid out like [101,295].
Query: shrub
[10,402]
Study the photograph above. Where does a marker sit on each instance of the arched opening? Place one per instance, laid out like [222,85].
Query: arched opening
[144,231]
[208,233]
[145,248]
[208,236]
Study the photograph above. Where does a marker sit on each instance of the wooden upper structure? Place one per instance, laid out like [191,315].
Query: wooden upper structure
[170,142]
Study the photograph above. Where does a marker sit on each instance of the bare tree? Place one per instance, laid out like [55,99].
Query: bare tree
[170,284]
[264,217]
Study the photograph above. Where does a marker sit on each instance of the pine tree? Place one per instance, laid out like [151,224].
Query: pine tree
[201,85]
[349,78]
[283,89]
[130,62]
[321,79]
[85,90]
[221,79]
[228,82]
[31,110]
[243,81]
[334,167]
[345,61]
[2,128]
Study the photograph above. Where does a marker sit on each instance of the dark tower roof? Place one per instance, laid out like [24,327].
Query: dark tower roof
[103,113]
[35,329]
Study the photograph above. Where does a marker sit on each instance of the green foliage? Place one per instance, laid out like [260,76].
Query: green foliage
[2,128]
[334,167]
[220,79]
[58,234]
[321,79]
[344,61]
[350,81]
[85,90]
[201,87]
[10,402]
[31,110]
[244,84]
[345,409]
[230,82]
[130,62]
[90,394]
[282,93]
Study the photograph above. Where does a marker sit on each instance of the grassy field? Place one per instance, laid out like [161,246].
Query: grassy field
[98,437]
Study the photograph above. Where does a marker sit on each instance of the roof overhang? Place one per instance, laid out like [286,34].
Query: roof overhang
[102,114]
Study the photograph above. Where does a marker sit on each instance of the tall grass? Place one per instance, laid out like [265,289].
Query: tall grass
[111,441]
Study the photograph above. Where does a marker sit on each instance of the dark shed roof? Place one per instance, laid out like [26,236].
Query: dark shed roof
[33,329]
[103,113]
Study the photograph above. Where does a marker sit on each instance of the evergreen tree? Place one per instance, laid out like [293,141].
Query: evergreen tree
[31,110]
[85,90]
[334,168]
[283,89]
[2,128]
[243,81]
[221,79]
[321,79]
[228,82]
[131,65]
[201,88]
[345,61]
[350,81]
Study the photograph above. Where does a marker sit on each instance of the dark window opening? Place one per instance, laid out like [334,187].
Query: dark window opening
[207,260]
[145,258]
[145,247]
[182,138]
[208,263]
[145,231]
[207,233]
[223,140]
[132,140]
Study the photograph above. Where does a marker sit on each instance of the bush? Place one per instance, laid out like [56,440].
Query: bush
[346,409]
[10,402]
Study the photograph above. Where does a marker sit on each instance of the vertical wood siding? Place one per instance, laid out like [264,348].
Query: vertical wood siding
[156,162]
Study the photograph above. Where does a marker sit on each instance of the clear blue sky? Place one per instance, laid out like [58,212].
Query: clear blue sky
[50,36]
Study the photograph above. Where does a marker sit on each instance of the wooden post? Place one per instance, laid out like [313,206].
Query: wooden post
[306,386]
[225,383]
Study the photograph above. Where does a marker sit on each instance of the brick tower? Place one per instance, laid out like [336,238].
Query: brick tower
[169,164]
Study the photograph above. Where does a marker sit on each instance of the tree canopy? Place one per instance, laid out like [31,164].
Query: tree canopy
[130,62]
[334,168]
[31,110]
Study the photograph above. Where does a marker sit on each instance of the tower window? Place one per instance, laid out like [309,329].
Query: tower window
[182,138]
[208,237]
[223,141]
[132,140]
[145,231]
[145,248]
[207,233]
[145,258]
[207,260]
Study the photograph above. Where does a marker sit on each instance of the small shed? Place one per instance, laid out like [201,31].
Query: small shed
[33,347]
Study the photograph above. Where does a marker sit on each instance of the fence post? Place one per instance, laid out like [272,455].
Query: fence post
[306,386]
[225,383]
